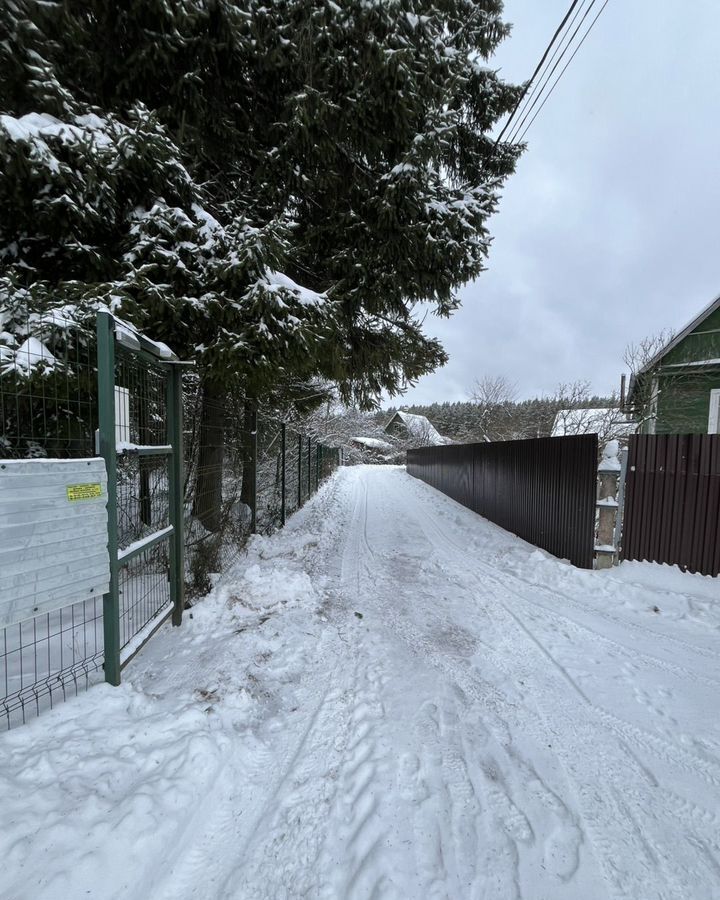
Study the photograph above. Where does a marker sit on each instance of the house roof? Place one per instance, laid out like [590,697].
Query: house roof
[419,427]
[681,335]
[598,420]
[372,443]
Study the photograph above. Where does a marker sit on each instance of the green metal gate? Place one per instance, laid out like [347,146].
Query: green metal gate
[140,439]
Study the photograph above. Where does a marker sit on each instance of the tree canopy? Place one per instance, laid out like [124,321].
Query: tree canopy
[276,190]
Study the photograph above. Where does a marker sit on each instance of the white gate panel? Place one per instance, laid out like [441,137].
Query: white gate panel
[53,535]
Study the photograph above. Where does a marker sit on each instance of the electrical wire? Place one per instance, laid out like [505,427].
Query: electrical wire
[539,66]
[536,88]
[547,97]
[550,69]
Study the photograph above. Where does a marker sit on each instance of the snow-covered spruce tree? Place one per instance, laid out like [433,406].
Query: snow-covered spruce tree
[385,157]
[344,144]
[365,124]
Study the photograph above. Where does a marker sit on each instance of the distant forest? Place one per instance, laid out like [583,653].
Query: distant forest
[508,420]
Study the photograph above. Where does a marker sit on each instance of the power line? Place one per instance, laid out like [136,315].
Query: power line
[543,80]
[518,117]
[582,41]
[538,68]
[531,93]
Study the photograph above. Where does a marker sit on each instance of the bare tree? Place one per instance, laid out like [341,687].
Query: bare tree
[637,356]
[576,414]
[495,397]
[493,390]
[670,391]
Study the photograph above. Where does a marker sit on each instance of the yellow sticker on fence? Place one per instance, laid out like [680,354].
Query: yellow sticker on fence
[83,491]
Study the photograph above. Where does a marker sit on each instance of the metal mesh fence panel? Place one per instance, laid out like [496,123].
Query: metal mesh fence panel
[293,469]
[45,659]
[269,474]
[48,386]
[48,409]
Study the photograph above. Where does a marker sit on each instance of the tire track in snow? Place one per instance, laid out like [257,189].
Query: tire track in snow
[325,799]
[587,744]
[447,812]
[224,838]
[554,593]
[618,623]
[665,749]
[355,835]
[450,831]
[220,830]
[353,855]
[631,653]
[281,859]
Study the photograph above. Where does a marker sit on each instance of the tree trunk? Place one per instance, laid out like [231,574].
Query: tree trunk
[207,503]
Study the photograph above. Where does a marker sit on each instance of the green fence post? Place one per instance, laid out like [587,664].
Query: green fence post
[309,467]
[282,474]
[299,471]
[108,450]
[253,479]
[175,499]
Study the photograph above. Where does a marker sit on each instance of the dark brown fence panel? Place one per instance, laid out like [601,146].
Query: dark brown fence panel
[543,490]
[672,501]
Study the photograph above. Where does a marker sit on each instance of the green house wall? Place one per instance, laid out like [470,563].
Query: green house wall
[702,343]
[683,405]
[683,400]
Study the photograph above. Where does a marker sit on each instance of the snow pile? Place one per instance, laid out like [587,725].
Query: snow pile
[610,458]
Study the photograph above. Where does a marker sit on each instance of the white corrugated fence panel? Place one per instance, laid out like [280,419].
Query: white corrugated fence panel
[53,535]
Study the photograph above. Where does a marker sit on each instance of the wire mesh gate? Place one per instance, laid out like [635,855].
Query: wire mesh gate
[140,439]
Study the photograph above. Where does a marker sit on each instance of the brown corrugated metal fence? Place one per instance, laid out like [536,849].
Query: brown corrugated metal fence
[543,489]
[672,501]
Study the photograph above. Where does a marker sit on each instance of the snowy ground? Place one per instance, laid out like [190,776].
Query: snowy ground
[391,699]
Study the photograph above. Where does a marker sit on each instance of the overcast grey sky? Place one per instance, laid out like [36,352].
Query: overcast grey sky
[610,228]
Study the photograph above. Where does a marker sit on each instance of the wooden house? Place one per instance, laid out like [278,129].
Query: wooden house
[678,390]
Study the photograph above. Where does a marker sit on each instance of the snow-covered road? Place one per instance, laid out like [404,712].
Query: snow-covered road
[392,698]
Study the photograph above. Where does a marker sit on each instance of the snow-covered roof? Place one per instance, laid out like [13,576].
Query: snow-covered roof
[598,420]
[372,443]
[420,428]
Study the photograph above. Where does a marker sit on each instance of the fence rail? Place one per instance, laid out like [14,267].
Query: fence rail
[542,490]
[672,501]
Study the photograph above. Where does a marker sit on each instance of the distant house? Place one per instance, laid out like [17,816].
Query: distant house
[609,423]
[409,427]
[369,443]
[678,390]
[372,450]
